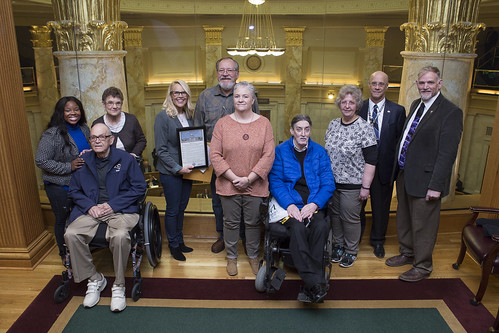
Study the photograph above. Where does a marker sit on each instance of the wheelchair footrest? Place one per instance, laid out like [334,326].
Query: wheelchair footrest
[277,279]
[303,297]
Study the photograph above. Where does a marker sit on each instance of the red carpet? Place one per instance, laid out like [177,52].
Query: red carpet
[43,311]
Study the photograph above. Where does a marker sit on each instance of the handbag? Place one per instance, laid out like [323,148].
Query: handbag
[276,212]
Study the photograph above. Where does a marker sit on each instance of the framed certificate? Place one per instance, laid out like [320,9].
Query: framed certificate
[193,148]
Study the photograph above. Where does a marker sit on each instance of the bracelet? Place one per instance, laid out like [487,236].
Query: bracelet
[365,188]
[248,180]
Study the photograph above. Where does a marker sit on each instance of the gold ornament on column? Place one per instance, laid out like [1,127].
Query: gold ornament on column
[375,36]
[133,36]
[87,25]
[442,26]
[213,34]
[41,36]
[294,36]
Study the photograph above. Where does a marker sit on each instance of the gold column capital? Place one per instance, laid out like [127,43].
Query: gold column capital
[375,36]
[93,25]
[133,36]
[41,36]
[442,26]
[294,35]
[213,34]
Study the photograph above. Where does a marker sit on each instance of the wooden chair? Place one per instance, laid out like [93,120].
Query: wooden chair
[495,327]
[484,250]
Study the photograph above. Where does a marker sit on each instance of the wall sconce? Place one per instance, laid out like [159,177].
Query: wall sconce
[330,95]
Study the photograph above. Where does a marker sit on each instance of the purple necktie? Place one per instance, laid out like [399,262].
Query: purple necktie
[408,138]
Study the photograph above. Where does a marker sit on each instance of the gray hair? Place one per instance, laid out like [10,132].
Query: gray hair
[249,86]
[350,89]
[225,58]
[300,117]
[427,69]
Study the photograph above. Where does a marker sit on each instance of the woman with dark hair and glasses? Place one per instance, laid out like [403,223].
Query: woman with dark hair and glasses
[177,113]
[57,155]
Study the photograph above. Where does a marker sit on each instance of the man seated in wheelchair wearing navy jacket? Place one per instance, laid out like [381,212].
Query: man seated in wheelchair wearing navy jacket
[105,190]
[302,182]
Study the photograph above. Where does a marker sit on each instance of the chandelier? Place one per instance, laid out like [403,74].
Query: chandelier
[256,34]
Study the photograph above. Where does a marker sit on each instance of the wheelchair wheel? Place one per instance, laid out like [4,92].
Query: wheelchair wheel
[152,234]
[260,284]
[61,293]
[137,290]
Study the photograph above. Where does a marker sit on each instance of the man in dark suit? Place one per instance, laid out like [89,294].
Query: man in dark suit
[388,120]
[426,152]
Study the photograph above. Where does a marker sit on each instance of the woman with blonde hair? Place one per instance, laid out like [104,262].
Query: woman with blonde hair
[177,113]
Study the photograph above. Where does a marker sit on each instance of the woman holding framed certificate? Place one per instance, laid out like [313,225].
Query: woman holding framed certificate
[177,113]
[242,153]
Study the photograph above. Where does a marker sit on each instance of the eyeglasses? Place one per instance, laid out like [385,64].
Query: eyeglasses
[101,137]
[179,93]
[111,103]
[228,70]
[378,84]
[349,103]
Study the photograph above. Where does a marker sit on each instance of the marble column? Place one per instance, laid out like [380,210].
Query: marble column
[373,56]
[134,62]
[46,79]
[213,37]
[24,241]
[294,67]
[89,44]
[441,33]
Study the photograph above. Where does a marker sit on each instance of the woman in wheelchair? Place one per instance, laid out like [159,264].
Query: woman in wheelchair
[302,182]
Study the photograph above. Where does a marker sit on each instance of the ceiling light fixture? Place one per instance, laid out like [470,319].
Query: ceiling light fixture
[256,34]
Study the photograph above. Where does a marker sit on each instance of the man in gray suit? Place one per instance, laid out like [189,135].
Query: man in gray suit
[426,152]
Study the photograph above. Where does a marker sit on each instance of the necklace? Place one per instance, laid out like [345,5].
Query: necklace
[245,135]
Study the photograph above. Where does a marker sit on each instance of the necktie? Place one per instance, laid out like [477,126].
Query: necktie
[375,121]
[408,138]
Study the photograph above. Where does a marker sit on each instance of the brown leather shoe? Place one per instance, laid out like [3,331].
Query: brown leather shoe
[232,267]
[399,260]
[218,246]
[414,275]
[255,265]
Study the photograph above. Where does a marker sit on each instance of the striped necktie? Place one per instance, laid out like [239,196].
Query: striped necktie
[375,121]
[408,138]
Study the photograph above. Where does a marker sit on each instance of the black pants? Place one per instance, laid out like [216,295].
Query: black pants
[58,198]
[307,247]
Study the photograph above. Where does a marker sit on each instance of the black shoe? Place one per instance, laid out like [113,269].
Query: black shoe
[317,294]
[185,249]
[379,251]
[177,253]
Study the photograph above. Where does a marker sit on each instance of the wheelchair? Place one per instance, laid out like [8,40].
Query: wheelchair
[276,255]
[146,235]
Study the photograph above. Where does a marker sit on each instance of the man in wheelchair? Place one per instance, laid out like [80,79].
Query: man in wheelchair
[105,190]
[302,182]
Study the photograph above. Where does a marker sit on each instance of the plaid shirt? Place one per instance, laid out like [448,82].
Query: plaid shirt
[213,104]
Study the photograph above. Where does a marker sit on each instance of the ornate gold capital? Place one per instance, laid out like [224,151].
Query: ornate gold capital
[213,34]
[41,36]
[92,25]
[133,36]
[375,36]
[294,35]
[95,36]
[442,26]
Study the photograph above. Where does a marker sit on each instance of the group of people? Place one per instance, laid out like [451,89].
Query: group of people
[370,146]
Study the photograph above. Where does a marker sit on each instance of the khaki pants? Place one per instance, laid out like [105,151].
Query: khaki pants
[81,232]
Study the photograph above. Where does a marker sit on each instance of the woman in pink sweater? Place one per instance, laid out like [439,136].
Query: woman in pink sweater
[242,153]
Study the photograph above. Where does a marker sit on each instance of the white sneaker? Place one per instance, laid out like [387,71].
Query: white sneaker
[118,300]
[94,288]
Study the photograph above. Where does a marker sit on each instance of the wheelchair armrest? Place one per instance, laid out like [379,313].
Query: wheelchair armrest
[476,209]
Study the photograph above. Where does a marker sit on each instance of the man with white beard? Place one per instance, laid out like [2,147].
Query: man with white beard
[213,103]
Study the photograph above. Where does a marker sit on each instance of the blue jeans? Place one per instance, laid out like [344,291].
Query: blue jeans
[177,191]
[58,198]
